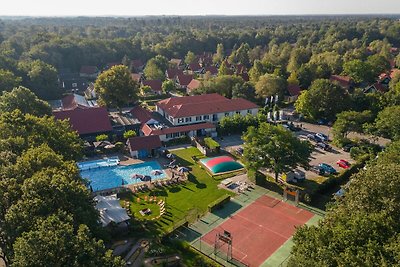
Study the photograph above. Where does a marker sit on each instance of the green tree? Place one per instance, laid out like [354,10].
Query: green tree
[41,78]
[387,123]
[116,88]
[168,86]
[129,134]
[323,100]
[359,71]
[153,72]
[101,137]
[362,229]
[8,80]
[242,54]
[190,57]
[256,71]
[224,69]
[378,64]
[25,100]
[270,85]
[275,148]
[350,121]
[55,242]
[220,54]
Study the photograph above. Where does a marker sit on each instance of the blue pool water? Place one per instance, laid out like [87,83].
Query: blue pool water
[86,165]
[102,178]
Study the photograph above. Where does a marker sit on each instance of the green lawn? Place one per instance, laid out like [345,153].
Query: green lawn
[183,202]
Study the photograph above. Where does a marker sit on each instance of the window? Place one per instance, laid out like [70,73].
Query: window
[169,135]
[206,117]
[238,112]
[215,117]
[226,114]
[74,85]
[188,119]
[176,134]
[249,111]
[198,118]
[180,120]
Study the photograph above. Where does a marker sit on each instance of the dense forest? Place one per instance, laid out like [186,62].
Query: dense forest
[46,214]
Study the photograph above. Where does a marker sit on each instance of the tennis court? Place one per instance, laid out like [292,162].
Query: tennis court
[259,229]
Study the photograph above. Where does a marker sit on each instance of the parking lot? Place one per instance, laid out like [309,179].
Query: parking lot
[231,143]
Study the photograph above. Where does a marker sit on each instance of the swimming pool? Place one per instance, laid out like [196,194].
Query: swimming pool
[115,176]
[87,165]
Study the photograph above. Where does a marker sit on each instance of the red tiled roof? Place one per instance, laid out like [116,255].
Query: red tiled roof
[142,114]
[156,85]
[172,73]
[144,142]
[240,69]
[89,70]
[86,121]
[185,128]
[379,87]
[293,89]
[343,81]
[194,84]
[136,76]
[74,101]
[184,79]
[383,76]
[195,66]
[202,104]
[212,69]
[245,76]
[136,63]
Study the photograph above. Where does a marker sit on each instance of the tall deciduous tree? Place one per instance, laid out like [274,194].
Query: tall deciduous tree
[350,121]
[323,100]
[8,80]
[270,85]
[116,88]
[359,71]
[275,148]
[220,54]
[25,100]
[387,123]
[190,57]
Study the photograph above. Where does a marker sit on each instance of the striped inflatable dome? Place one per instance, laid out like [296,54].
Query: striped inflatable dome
[221,164]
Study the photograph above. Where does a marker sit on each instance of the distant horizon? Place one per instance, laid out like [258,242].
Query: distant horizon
[129,8]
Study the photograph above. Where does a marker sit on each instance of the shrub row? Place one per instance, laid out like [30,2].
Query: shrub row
[219,203]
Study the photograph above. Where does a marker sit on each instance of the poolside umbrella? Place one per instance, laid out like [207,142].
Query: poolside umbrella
[137,176]
[147,178]
[170,156]
[109,146]
[156,172]
[183,169]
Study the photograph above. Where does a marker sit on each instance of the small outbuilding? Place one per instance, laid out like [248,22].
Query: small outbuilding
[144,146]
[110,210]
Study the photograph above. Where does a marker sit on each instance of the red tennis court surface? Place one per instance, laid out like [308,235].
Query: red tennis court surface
[260,229]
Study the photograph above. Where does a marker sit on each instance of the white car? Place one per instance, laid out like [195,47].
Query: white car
[322,136]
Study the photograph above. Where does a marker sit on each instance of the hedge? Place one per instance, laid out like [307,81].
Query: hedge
[219,203]
[211,143]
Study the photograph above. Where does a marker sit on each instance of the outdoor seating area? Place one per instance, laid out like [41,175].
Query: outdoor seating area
[237,184]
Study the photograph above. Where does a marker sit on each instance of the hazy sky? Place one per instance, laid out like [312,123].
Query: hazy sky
[199,7]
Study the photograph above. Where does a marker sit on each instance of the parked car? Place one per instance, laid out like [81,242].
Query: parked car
[313,137]
[240,151]
[324,146]
[318,170]
[347,147]
[343,163]
[299,175]
[327,168]
[322,136]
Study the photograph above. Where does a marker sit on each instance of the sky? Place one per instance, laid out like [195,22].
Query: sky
[199,7]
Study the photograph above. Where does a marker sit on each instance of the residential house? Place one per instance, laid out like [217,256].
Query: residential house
[88,123]
[136,65]
[343,81]
[137,77]
[195,68]
[144,146]
[90,93]
[183,80]
[177,63]
[72,82]
[171,74]
[193,85]
[203,108]
[293,92]
[155,85]
[212,70]
[89,72]
[375,88]
[73,101]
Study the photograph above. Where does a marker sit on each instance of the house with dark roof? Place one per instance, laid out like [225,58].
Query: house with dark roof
[89,72]
[137,65]
[72,101]
[212,70]
[177,63]
[293,92]
[124,121]
[171,74]
[88,123]
[183,80]
[155,85]
[375,88]
[203,108]
[343,81]
[71,82]
[144,146]
[195,68]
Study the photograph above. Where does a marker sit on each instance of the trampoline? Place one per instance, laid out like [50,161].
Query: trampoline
[220,165]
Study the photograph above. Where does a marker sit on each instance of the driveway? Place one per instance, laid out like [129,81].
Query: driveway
[230,143]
